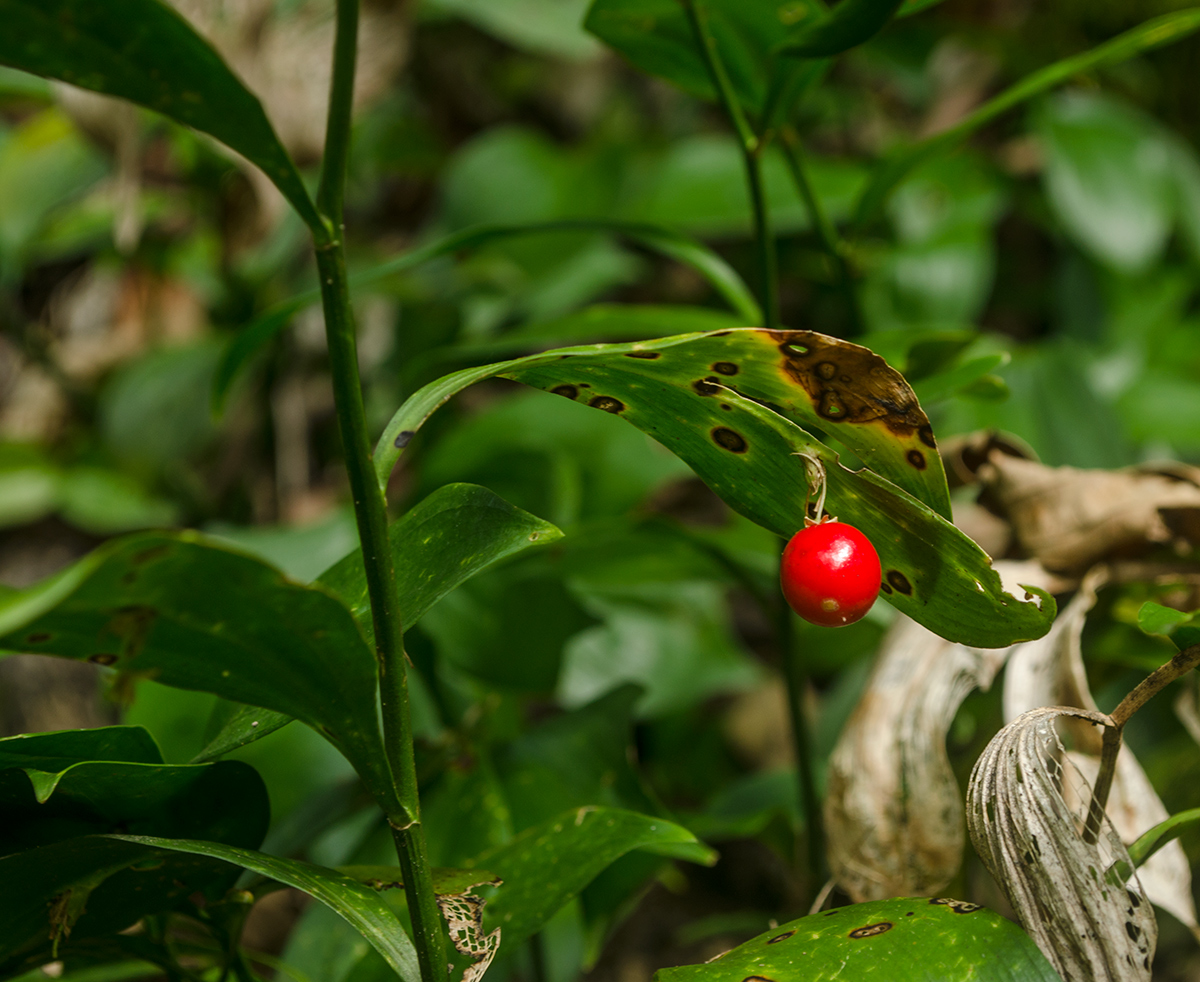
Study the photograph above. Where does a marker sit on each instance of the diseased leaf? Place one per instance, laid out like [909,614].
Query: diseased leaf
[1032,841]
[725,404]
[902,940]
[195,615]
[144,51]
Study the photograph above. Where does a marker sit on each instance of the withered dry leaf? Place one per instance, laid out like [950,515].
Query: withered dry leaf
[893,809]
[1050,672]
[1070,519]
[1066,891]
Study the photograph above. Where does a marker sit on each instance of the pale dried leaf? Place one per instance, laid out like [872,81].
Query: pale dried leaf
[464,919]
[1031,840]
[1050,672]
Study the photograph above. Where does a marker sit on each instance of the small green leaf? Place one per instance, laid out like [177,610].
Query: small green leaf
[1183,628]
[1164,832]
[846,26]
[143,51]
[195,615]
[1152,34]
[544,867]
[913,939]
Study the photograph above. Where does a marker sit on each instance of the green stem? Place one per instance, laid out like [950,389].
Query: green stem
[827,235]
[752,147]
[400,802]
[796,675]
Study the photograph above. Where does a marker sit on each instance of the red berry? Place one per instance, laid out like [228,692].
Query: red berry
[830,574]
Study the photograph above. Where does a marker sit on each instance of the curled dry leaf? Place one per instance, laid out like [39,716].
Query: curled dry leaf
[1092,926]
[893,808]
[1050,672]
[1070,519]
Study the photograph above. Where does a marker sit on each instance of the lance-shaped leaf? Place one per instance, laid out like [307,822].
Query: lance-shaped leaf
[722,403]
[1150,842]
[143,51]
[1091,924]
[1050,672]
[456,532]
[910,939]
[1152,34]
[847,25]
[196,615]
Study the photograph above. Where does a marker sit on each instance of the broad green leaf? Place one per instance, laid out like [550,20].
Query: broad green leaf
[195,615]
[847,25]
[1182,627]
[544,867]
[910,940]
[723,278]
[1152,34]
[1154,839]
[48,751]
[547,27]
[163,65]
[746,451]
[443,541]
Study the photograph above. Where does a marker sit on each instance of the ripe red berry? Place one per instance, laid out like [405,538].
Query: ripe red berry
[830,574]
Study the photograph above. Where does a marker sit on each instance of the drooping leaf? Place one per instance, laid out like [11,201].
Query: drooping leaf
[1154,33]
[700,396]
[143,51]
[904,940]
[547,865]
[722,277]
[196,615]
[51,751]
[847,25]
[1034,843]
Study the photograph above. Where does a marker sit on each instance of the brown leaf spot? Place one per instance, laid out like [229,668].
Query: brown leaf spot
[729,439]
[899,581]
[570,391]
[703,387]
[103,658]
[781,937]
[607,403]
[757,978]
[827,370]
[958,906]
[404,438]
[38,637]
[925,433]
[871,930]
[726,406]
[725,368]
[831,406]
[917,459]
[648,355]
[886,587]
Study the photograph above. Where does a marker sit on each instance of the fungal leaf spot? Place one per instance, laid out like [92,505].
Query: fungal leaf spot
[729,439]
[570,391]
[607,404]
[900,582]
[917,459]
[870,930]
[404,438]
[725,368]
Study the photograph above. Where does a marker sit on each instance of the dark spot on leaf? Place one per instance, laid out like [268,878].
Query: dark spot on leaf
[561,357]
[757,978]
[831,406]
[404,438]
[885,587]
[649,355]
[909,914]
[103,658]
[958,906]
[726,406]
[585,385]
[830,913]
[608,404]
[899,581]
[704,387]
[916,458]
[570,391]
[871,930]
[1132,930]
[39,637]
[827,370]
[781,937]
[148,554]
[731,440]
[725,368]
[926,434]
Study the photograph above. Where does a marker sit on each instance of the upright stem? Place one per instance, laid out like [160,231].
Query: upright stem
[752,147]
[827,235]
[400,802]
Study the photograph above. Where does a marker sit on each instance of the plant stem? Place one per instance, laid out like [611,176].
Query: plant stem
[400,802]
[796,676]
[1146,690]
[827,235]
[752,147]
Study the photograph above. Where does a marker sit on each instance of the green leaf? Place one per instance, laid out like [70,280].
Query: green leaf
[47,751]
[163,65]
[1152,34]
[1183,628]
[700,396]
[195,615]
[446,882]
[546,866]
[846,26]
[722,277]
[446,539]
[1149,842]
[913,939]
